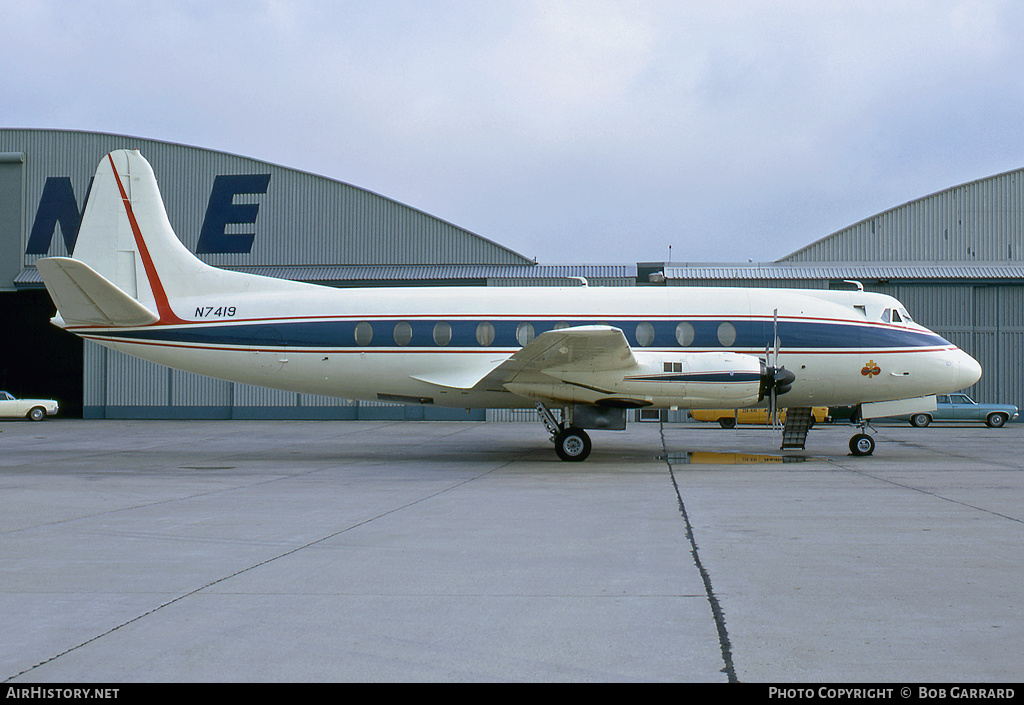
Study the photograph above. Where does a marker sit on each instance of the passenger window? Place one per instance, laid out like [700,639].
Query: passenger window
[644,334]
[726,334]
[485,333]
[524,333]
[403,333]
[684,334]
[364,333]
[442,333]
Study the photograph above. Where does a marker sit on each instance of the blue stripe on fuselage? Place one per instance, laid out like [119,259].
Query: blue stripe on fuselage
[340,334]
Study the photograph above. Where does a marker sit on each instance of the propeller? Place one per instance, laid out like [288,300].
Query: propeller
[775,380]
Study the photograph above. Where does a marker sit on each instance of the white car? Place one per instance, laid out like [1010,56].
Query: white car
[34,409]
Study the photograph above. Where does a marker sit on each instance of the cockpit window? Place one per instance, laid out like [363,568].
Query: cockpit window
[896,315]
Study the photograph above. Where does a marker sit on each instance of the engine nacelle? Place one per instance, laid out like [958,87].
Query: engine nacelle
[701,379]
[686,380]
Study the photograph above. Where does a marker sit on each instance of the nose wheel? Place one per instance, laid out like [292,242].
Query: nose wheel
[862,444]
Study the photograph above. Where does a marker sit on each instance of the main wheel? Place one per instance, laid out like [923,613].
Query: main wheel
[920,420]
[862,444]
[572,444]
[995,420]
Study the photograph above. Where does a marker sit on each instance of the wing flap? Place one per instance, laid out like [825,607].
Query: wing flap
[84,297]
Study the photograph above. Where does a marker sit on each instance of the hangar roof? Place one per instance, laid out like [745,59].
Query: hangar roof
[409,274]
[921,271]
[973,223]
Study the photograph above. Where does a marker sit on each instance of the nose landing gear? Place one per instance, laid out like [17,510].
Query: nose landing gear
[862,444]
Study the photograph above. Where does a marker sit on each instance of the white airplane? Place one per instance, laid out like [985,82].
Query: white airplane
[591,354]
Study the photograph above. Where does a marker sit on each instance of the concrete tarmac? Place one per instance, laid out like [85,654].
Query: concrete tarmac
[294,551]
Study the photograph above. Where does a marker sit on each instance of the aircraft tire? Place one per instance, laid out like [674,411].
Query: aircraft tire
[862,444]
[572,444]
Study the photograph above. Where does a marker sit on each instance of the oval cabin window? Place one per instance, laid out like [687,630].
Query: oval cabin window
[485,333]
[403,333]
[442,333]
[685,334]
[726,334]
[644,334]
[364,333]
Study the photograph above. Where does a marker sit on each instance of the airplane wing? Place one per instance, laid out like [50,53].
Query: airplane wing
[578,349]
[85,298]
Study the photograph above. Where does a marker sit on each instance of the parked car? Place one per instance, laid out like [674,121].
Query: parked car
[34,409]
[960,407]
[728,418]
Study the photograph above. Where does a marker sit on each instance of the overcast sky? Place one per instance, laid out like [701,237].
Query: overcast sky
[598,131]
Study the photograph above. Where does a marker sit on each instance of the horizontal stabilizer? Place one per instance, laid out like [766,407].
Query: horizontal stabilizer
[85,298]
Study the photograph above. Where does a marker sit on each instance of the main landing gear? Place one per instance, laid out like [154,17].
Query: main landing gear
[571,444]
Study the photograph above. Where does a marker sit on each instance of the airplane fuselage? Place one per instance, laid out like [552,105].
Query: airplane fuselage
[415,344]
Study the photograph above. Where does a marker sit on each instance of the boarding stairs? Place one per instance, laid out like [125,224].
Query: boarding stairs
[798,422]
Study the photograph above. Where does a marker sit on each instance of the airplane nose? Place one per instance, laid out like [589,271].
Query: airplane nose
[969,370]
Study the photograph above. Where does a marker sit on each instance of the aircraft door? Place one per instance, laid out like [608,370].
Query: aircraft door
[269,353]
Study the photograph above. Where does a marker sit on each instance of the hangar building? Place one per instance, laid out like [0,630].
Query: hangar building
[953,257]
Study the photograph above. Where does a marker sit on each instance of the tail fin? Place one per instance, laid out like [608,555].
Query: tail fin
[126,238]
[127,247]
